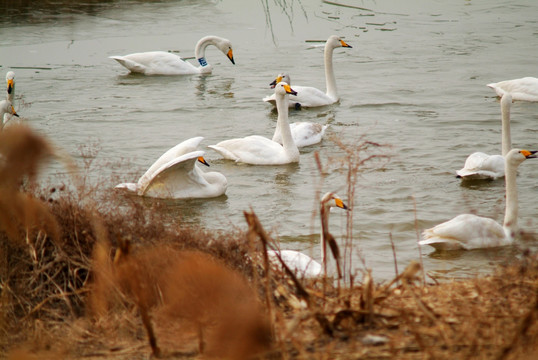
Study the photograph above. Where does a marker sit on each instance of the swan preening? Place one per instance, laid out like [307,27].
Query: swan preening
[165,63]
[468,231]
[305,133]
[480,166]
[259,150]
[175,175]
[308,96]
[525,89]
[304,265]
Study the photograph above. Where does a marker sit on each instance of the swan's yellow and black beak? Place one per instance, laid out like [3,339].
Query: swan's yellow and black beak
[230,55]
[13,111]
[289,90]
[344,44]
[202,160]
[340,203]
[10,86]
[276,81]
[529,154]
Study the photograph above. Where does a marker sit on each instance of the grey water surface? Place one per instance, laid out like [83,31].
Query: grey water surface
[414,81]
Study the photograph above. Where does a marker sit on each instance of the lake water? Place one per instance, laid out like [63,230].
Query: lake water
[414,81]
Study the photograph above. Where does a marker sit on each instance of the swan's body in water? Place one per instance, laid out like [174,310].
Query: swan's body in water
[308,96]
[524,89]
[468,231]
[305,133]
[165,63]
[259,150]
[175,175]
[480,166]
[304,265]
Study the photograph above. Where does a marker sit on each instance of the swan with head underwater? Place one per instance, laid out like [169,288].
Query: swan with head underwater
[524,89]
[175,175]
[310,96]
[165,63]
[468,231]
[481,166]
[304,265]
[259,150]
[305,133]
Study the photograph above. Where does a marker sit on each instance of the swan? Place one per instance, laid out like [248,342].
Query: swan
[10,79]
[310,96]
[479,165]
[305,133]
[525,89]
[468,231]
[258,150]
[175,175]
[304,265]
[165,63]
[6,109]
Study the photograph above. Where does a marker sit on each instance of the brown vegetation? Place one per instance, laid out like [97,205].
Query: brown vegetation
[64,294]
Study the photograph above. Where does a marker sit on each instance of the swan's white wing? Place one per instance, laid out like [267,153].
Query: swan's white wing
[178,179]
[254,149]
[479,166]
[182,148]
[525,89]
[304,133]
[307,96]
[156,63]
[466,231]
[299,263]
[131,187]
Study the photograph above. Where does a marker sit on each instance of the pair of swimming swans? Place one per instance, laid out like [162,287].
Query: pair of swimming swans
[468,231]
[175,175]
[480,166]
[308,96]
[259,150]
[304,265]
[165,63]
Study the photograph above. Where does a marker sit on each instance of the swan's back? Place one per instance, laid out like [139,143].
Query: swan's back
[156,63]
[299,263]
[524,89]
[480,166]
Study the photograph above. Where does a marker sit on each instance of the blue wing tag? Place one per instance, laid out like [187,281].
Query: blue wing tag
[202,61]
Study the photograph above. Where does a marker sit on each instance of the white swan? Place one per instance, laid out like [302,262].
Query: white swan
[479,165]
[165,63]
[258,150]
[10,79]
[305,133]
[6,109]
[311,97]
[175,175]
[468,231]
[304,265]
[525,89]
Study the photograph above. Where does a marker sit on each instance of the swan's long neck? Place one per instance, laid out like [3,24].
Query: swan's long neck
[283,125]
[330,80]
[199,50]
[506,103]
[510,215]
[324,214]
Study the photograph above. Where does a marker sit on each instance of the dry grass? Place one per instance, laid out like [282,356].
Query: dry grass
[205,295]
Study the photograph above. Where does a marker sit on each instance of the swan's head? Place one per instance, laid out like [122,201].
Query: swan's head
[517,156]
[10,79]
[7,107]
[334,42]
[283,88]
[225,46]
[332,200]
[279,78]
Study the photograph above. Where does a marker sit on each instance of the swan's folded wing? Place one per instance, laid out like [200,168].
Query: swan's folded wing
[175,179]
[252,149]
[129,64]
[479,165]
